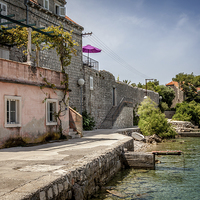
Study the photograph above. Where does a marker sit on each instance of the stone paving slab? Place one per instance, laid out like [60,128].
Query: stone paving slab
[24,170]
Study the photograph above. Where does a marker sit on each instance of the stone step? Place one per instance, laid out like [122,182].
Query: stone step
[74,134]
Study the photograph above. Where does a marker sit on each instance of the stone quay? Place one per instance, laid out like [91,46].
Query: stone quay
[73,169]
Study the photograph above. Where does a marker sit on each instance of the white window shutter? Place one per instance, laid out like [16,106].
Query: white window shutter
[62,11]
[91,83]
[46,4]
[3,12]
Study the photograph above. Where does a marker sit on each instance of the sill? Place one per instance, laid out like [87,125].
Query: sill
[51,123]
[12,125]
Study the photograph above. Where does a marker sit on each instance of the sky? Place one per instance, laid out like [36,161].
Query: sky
[141,39]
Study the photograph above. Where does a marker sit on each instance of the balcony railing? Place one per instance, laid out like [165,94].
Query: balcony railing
[90,62]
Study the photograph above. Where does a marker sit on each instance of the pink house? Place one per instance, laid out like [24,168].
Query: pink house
[26,109]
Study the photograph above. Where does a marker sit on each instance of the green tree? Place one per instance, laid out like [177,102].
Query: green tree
[167,94]
[188,112]
[152,121]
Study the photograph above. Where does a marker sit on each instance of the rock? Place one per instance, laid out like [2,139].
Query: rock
[182,126]
[116,193]
[78,193]
[157,161]
[152,139]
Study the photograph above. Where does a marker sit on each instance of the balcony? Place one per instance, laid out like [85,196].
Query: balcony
[90,62]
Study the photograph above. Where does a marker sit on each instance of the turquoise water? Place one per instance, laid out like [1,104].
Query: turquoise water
[176,177]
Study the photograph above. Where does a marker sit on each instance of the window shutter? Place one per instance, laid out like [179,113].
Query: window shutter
[3,12]
[46,4]
[62,11]
[91,83]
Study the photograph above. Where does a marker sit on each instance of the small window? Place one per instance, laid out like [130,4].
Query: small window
[3,8]
[57,9]
[91,83]
[62,11]
[51,111]
[46,4]
[12,111]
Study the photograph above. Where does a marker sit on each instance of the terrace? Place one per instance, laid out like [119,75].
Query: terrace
[90,62]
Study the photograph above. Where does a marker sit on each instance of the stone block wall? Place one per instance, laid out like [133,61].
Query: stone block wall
[127,114]
[179,95]
[100,100]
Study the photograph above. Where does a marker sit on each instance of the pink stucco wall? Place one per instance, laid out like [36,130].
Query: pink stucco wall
[17,79]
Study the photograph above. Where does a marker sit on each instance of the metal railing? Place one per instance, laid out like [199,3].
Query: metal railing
[90,62]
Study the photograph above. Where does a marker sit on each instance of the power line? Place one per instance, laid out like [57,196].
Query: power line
[114,56]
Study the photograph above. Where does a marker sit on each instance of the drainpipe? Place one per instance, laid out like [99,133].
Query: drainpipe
[26,4]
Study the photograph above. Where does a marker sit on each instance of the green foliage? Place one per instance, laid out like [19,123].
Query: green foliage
[88,121]
[127,82]
[167,94]
[152,121]
[14,142]
[163,106]
[188,112]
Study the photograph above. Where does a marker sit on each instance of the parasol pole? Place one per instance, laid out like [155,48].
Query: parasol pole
[88,57]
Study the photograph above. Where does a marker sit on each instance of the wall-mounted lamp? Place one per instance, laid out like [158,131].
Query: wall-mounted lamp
[81,83]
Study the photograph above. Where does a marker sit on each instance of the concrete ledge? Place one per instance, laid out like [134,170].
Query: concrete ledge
[139,160]
[189,134]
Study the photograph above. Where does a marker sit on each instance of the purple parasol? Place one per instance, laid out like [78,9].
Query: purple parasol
[90,49]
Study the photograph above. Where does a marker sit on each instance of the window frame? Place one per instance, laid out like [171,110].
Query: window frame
[56,5]
[59,10]
[18,111]
[91,83]
[44,2]
[4,20]
[48,123]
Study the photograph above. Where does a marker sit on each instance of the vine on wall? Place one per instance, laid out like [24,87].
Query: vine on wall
[61,41]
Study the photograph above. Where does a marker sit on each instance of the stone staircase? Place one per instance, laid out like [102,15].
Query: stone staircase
[114,113]
[75,124]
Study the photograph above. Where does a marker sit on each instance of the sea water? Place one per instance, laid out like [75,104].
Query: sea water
[175,177]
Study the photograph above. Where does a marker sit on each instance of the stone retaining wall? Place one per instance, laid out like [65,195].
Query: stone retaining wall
[86,177]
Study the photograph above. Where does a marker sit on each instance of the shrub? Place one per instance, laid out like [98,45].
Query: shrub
[152,121]
[88,121]
[188,112]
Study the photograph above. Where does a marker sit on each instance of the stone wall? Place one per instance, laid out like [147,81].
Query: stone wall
[106,93]
[179,96]
[169,114]
[85,178]
[127,114]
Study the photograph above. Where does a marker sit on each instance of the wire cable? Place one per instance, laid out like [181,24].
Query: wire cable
[114,56]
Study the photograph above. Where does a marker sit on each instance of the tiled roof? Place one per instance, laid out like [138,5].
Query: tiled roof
[71,20]
[172,83]
[34,1]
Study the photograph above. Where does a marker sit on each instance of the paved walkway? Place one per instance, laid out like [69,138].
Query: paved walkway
[19,166]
